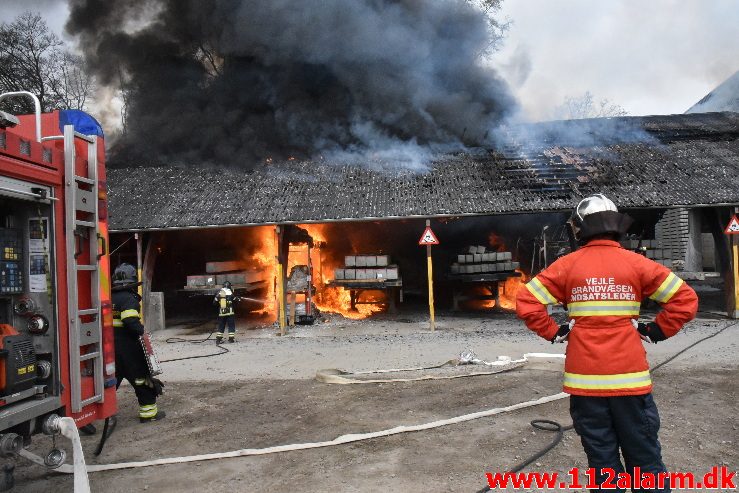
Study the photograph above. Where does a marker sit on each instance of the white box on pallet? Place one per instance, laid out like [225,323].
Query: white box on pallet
[477,257]
[504,256]
[370,261]
[350,274]
[383,260]
[350,260]
[392,273]
[462,258]
[361,261]
[381,273]
[339,274]
[361,274]
[469,258]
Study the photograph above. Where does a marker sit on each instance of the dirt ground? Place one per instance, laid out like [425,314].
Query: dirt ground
[262,393]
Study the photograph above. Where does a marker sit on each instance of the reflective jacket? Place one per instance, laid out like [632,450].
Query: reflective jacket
[602,286]
[126,313]
[225,301]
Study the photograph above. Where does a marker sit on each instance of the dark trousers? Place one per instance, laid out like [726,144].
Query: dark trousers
[231,321]
[130,364]
[629,423]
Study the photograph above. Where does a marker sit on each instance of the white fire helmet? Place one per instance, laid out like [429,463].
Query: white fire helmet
[594,203]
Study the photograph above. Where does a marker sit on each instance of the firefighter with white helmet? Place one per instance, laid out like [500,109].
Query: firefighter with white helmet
[130,361]
[607,374]
[224,300]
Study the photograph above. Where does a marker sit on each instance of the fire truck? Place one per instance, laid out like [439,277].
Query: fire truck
[57,356]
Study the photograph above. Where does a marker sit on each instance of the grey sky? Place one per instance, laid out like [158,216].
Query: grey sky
[651,57]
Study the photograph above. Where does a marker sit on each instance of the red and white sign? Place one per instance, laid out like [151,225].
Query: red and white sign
[428,238]
[733,227]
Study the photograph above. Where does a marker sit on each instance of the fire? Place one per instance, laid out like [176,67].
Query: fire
[332,299]
[509,288]
[496,242]
[506,292]
[261,252]
[263,256]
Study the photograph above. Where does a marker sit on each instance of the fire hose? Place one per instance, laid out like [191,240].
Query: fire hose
[80,469]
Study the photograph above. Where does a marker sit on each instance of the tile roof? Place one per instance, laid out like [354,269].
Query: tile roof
[686,160]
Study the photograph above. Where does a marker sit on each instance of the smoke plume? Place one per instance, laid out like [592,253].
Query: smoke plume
[235,82]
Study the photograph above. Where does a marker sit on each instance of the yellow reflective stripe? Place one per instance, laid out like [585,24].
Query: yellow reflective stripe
[667,289]
[148,411]
[540,292]
[129,313]
[608,382]
[117,322]
[139,381]
[603,308]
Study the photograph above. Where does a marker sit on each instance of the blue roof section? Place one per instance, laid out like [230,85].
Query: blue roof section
[82,122]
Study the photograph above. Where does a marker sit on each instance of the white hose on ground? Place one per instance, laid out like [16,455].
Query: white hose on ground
[503,363]
[353,437]
[349,438]
[68,428]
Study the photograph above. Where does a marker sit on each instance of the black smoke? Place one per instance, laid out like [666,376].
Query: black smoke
[235,82]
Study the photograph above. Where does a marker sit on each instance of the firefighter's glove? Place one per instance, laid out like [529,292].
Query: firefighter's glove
[650,332]
[562,333]
[155,384]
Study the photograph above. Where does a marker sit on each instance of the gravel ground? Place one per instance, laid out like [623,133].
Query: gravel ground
[262,393]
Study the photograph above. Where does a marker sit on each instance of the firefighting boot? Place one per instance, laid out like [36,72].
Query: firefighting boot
[160,415]
[219,338]
[231,338]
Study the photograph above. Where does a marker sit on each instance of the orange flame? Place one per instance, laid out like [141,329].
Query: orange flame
[260,252]
[332,299]
[496,242]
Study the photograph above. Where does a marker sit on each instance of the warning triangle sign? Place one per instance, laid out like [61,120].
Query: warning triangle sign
[428,238]
[733,227]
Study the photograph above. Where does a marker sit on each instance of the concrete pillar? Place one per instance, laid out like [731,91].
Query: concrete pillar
[694,245]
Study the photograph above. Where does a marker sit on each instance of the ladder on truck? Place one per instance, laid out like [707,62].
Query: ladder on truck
[81,227]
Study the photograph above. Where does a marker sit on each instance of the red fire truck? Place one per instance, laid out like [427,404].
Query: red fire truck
[56,325]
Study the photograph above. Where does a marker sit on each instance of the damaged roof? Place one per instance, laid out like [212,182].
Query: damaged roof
[639,162]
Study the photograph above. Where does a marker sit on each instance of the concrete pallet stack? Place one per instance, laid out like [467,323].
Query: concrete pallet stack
[478,260]
[654,251]
[672,231]
[367,267]
[220,272]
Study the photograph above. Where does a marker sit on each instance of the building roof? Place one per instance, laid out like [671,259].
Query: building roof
[724,98]
[639,162]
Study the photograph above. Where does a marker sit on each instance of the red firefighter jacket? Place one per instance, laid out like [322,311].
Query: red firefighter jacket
[602,286]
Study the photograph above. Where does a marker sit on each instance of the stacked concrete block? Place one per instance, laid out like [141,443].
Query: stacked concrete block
[240,278]
[653,249]
[367,267]
[477,260]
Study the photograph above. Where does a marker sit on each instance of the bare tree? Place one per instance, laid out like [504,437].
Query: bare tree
[585,106]
[33,58]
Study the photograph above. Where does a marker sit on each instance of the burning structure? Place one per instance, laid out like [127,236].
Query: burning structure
[679,180]
[357,120]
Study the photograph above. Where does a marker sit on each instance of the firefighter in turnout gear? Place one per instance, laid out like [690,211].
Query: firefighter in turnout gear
[602,286]
[130,361]
[225,300]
